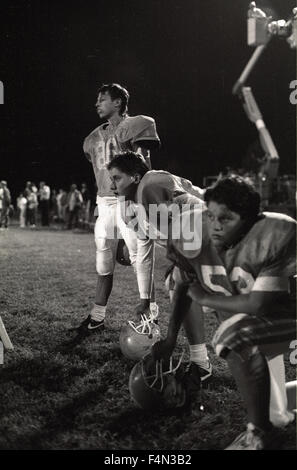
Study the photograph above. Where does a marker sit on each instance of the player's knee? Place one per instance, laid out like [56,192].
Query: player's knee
[104,269]
[104,263]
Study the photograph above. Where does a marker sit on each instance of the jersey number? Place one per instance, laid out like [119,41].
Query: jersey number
[215,277]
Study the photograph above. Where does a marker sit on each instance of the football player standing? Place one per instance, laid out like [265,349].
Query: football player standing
[120,132]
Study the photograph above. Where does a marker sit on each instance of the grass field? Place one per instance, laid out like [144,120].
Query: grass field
[50,399]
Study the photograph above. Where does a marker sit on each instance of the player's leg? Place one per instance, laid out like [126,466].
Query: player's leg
[238,341]
[106,247]
[280,414]
[194,329]
[142,256]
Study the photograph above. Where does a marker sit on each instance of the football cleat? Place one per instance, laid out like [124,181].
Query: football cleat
[88,325]
[95,325]
[137,340]
[157,385]
[198,377]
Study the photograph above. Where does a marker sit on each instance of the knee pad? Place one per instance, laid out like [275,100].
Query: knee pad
[105,256]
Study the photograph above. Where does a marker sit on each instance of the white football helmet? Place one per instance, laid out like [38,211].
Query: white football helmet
[137,340]
[158,385]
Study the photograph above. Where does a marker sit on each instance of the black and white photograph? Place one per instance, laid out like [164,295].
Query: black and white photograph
[148,227]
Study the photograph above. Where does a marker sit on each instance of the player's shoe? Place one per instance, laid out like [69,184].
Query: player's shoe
[95,325]
[89,325]
[254,438]
[198,377]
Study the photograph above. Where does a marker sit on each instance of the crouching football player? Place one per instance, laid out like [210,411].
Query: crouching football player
[243,271]
[165,192]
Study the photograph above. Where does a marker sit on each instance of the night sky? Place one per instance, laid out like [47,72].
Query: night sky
[179,60]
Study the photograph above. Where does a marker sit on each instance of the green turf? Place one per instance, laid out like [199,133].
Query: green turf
[54,399]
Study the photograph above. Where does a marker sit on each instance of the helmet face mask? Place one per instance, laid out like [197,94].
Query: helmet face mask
[137,340]
[156,385]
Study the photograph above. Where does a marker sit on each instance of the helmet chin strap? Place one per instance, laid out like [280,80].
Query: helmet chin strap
[144,328]
[159,373]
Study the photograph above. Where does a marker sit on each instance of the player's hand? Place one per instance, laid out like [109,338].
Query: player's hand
[163,349]
[143,308]
[196,292]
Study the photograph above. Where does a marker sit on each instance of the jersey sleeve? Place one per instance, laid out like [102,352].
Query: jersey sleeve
[280,263]
[140,129]
[87,148]
[191,189]
[156,187]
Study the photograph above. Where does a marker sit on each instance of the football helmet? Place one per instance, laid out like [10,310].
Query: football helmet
[137,340]
[158,384]
[122,255]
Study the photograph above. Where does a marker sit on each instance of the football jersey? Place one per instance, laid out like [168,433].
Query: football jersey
[263,260]
[105,141]
[158,186]
[159,195]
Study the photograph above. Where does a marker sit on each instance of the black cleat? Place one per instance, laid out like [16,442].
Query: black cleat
[198,377]
[95,325]
[88,325]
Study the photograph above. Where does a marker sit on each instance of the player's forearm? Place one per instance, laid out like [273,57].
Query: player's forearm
[144,267]
[181,305]
[251,303]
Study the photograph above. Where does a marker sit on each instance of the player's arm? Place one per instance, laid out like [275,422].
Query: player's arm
[253,303]
[181,304]
[146,155]
[144,272]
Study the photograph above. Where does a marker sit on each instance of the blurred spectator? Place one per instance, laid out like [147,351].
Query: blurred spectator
[62,204]
[75,202]
[5,201]
[28,188]
[32,204]
[85,210]
[22,205]
[44,199]
[54,205]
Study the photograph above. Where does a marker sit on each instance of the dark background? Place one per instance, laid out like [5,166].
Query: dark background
[179,60]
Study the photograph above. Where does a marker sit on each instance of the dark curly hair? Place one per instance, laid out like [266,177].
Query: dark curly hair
[130,163]
[117,91]
[237,194]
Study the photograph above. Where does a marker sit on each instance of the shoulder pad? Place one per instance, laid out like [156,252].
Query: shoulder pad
[135,128]
[156,187]
[91,139]
[271,238]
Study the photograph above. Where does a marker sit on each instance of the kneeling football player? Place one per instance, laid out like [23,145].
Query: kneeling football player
[243,271]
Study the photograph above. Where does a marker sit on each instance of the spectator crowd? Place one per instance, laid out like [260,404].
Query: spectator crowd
[45,205]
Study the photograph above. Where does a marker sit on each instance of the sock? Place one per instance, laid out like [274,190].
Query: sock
[253,382]
[98,312]
[198,354]
[154,309]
